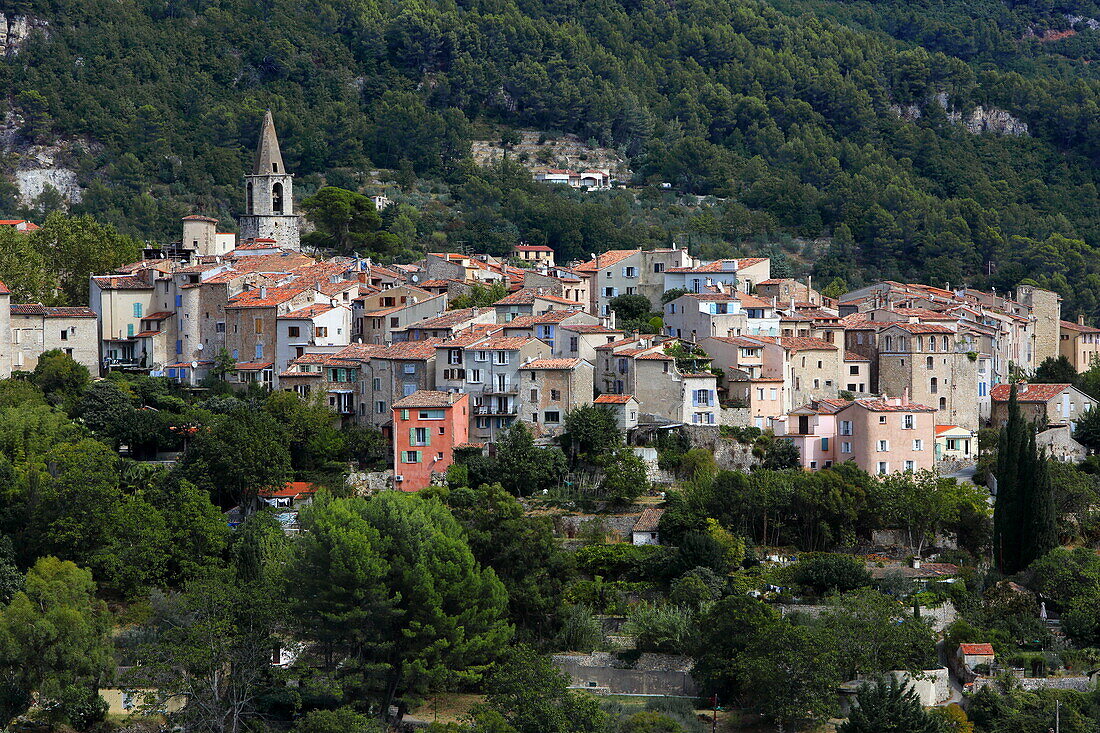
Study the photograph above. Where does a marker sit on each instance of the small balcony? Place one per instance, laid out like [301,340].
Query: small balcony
[494,410]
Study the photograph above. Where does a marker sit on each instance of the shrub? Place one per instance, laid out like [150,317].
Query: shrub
[620,561]
[824,573]
[667,629]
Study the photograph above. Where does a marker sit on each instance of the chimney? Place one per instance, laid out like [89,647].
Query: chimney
[905,396]
[263,292]
[1080,319]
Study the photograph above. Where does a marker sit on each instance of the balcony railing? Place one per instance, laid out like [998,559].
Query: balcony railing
[494,410]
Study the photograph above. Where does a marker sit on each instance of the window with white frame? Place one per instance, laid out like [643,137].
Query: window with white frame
[883,468]
[845,447]
[883,446]
[845,427]
[918,445]
[501,357]
[907,422]
[910,466]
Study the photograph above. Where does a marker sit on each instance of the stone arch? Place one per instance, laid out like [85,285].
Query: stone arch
[277,198]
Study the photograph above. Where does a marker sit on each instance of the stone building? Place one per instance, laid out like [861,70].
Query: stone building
[1079,343]
[36,329]
[548,389]
[920,360]
[1042,404]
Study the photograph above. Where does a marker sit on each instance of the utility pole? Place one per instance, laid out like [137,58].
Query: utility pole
[714,715]
[1057,716]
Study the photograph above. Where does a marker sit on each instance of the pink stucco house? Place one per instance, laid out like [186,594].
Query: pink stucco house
[881,435]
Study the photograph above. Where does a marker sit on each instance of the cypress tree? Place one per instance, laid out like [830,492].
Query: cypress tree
[1024,517]
[1043,533]
[1007,512]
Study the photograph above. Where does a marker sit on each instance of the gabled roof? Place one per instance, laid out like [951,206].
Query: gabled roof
[607,259]
[805,343]
[290,490]
[554,316]
[719,265]
[526,296]
[264,297]
[649,520]
[448,319]
[253,366]
[614,399]
[1028,392]
[47,311]
[853,356]
[472,334]
[551,364]
[310,311]
[428,398]
[589,328]
[531,248]
[1071,326]
[920,327]
[138,281]
[983,650]
[877,404]
[410,350]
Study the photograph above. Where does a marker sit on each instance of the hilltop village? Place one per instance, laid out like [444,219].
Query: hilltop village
[265,487]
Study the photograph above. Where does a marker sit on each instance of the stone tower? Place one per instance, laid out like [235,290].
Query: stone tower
[1046,307]
[269,194]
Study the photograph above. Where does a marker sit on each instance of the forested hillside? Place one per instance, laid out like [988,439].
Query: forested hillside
[805,118]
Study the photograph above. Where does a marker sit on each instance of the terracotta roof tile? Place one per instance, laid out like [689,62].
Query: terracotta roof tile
[805,343]
[613,399]
[717,265]
[448,319]
[264,298]
[607,259]
[1028,392]
[410,350]
[310,311]
[551,364]
[985,650]
[1071,326]
[428,398]
[649,519]
[853,356]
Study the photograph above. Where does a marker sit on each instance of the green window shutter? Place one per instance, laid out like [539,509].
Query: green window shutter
[419,455]
[428,432]
[412,436]
[129,329]
[404,414]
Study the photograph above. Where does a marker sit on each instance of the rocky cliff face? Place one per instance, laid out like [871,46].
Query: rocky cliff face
[36,168]
[981,120]
[15,29]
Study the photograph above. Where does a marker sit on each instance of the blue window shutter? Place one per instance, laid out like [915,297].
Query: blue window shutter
[259,351]
[179,301]
[137,310]
[824,444]
[179,346]
[235,354]
[129,329]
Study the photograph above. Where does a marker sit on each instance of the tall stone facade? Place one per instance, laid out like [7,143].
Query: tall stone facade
[1046,307]
[269,194]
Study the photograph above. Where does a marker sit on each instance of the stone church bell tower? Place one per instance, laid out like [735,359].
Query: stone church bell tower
[269,194]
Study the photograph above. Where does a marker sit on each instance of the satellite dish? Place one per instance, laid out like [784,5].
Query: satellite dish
[194,365]
[199,347]
[416,278]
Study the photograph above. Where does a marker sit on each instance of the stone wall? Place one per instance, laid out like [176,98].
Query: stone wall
[738,417]
[1079,684]
[652,674]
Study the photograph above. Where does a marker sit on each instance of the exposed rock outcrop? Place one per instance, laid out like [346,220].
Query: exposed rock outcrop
[14,31]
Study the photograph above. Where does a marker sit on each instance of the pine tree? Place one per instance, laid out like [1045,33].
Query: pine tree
[888,706]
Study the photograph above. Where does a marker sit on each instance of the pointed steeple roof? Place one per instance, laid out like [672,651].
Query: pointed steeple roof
[268,158]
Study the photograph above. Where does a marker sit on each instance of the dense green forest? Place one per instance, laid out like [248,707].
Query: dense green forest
[781,112]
